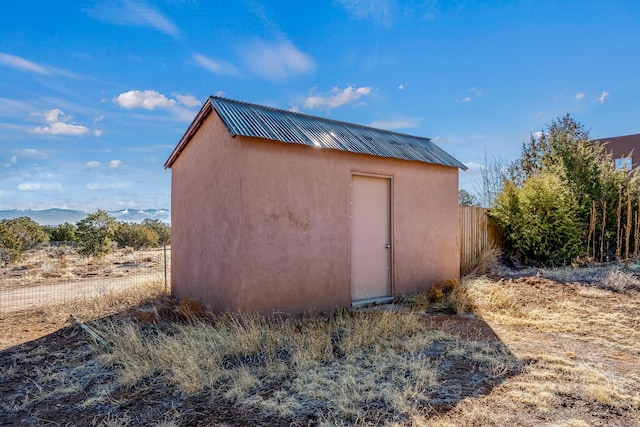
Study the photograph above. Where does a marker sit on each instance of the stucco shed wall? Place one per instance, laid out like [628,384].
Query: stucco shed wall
[205,220]
[275,223]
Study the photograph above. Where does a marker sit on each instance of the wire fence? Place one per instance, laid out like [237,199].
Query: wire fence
[57,274]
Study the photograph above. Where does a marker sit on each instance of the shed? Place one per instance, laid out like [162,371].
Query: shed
[277,211]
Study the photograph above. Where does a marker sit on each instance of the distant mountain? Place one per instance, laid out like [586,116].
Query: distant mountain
[60,216]
[138,215]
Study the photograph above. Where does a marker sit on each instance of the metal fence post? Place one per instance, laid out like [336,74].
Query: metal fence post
[165,268]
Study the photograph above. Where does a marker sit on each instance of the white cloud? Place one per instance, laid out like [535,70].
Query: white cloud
[221,93]
[21,64]
[101,186]
[52,116]
[133,12]
[93,164]
[473,166]
[56,124]
[396,123]
[401,87]
[214,66]
[603,96]
[466,99]
[40,186]
[188,100]
[276,61]
[14,160]
[337,97]
[32,153]
[115,163]
[61,129]
[476,91]
[580,96]
[97,132]
[148,99]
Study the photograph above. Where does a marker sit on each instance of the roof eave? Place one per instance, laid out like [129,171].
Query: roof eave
[190,132]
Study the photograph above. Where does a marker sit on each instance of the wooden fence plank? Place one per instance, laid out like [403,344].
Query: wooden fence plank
[477,234]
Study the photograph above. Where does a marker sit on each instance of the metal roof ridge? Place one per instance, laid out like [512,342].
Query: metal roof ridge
[312,117]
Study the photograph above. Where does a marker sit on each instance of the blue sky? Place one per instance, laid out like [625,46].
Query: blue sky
[94,95]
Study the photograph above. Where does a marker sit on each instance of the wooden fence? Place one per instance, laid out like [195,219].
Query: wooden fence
[477,235]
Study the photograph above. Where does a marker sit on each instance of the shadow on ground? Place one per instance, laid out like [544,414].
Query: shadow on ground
[59,380]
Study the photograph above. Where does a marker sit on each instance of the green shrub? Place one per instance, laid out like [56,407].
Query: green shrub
[62,233]
[539,221]
[95,232]
[29,232]
[136,236]
[161,228]
[10,244]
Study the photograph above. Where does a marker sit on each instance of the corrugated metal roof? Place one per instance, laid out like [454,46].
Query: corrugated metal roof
[258,121]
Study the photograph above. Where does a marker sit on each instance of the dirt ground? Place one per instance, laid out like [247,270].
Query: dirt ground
[50,373]
[56,275]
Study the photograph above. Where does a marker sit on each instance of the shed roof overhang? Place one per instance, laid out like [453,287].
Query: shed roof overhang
[256,121]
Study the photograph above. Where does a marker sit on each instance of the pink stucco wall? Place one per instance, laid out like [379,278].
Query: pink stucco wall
[264,226]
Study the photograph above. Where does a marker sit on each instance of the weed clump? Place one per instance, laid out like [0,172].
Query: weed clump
[449,296]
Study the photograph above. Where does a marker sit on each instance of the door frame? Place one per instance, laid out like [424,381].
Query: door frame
[390,196]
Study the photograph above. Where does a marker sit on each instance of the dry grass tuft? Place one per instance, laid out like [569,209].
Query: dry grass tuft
[449,296]
[483,264]
[191,309]
[356,366]
[619,280]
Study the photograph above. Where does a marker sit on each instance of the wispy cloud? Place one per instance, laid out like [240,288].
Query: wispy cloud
[603,96]
[475,91]
[276,61]
[147,99]
[57,123]
[580,96]
[133,12]
[115,163]
[92,164]
[188,100]
[40,186]
[14,108]
[25,65]
[215,66]
[102,186]
[21,64]
[31,153]
[337,97]
[396,123]
[401,87]
[380,11]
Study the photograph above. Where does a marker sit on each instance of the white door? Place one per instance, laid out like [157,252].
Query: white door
[370,237]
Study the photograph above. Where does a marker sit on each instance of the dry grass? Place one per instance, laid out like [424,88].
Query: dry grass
[63,264]
[584,348]
[566,354]
[357,367]
[485,263]
[33,324]
[449,296]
